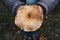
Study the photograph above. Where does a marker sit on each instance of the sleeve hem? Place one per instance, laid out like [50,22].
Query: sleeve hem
[14,9]
[45,7]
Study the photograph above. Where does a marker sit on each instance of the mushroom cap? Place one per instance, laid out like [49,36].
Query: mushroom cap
[29,18]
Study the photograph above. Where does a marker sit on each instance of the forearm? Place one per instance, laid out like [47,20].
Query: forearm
[48,5]
[12,5]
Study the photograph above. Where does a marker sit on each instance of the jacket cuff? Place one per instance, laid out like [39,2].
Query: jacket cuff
[12,5]
[44,7]
[14,9]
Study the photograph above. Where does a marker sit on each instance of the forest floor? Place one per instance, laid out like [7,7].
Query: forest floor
[50,29]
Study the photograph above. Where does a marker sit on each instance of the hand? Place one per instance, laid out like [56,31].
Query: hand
[29,17]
